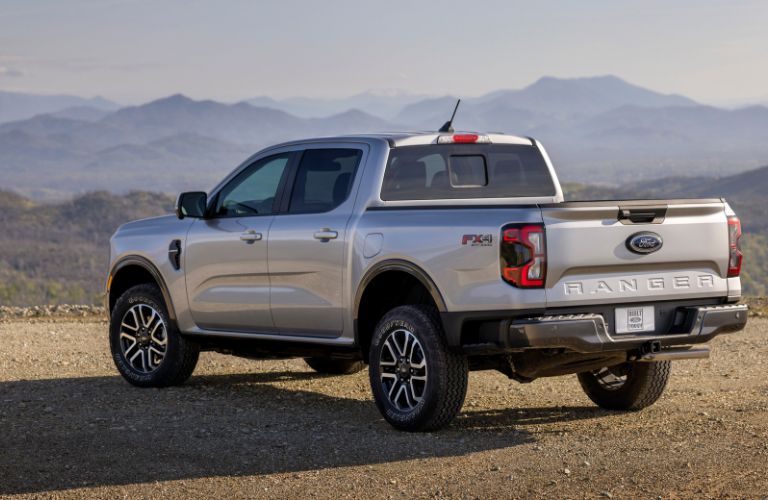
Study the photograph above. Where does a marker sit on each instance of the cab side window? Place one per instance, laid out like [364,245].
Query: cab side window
[323,180]
[253,191]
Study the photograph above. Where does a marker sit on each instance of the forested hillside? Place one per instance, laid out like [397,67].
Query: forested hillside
[58,253]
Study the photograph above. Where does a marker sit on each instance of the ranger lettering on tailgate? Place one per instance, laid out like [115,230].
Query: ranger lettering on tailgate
[621,285]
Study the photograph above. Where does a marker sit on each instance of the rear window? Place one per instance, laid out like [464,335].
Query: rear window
[436,172]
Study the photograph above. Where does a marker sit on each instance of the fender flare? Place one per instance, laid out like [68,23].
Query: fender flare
[147,265]
[402,266]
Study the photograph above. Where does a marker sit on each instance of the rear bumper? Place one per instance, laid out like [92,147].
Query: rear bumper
[589,333]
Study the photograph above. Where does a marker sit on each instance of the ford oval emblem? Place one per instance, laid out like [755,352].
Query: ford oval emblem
[644,243]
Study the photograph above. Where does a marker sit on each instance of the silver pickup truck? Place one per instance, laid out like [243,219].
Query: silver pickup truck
[424,256]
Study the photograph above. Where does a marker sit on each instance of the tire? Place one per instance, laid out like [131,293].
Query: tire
[329,366]
[415,404]
[146,346]
[642,386]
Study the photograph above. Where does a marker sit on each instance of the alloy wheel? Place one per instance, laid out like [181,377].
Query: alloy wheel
[143,338]
[403,368]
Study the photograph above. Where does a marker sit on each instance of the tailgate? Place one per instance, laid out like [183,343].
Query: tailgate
[590,259]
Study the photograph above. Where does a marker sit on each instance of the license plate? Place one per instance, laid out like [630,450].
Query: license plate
[634,319]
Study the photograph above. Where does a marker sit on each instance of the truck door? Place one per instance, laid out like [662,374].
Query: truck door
[226,253]
[307,241]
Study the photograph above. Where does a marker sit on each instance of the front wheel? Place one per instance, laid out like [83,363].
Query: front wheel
[146,346]
[417,383]
[628,386]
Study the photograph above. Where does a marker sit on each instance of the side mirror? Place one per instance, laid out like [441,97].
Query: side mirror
[191,204]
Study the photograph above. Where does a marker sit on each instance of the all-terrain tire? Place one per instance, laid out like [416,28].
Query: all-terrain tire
[644,385]
[181,353]
[329,366]
[446,372]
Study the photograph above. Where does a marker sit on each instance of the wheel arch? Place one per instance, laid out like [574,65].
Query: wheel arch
[135,270]
[374,275]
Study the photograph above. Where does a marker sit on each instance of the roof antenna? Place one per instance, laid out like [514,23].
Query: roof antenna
[448,126]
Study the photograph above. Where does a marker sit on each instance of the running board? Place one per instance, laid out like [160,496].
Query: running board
[674,354]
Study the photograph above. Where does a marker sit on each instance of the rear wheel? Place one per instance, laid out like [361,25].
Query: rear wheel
[331,366]
[147,349]
[417,383]
[628,386]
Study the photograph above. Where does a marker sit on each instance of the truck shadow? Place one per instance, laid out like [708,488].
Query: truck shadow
[96,431]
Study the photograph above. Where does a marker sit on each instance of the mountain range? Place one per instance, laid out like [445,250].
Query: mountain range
[596,129]
[19,106]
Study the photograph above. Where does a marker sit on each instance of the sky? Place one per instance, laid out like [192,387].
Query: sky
[137,50]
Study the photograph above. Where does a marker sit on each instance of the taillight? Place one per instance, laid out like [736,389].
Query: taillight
[524,255]
[734,248]
[464,139]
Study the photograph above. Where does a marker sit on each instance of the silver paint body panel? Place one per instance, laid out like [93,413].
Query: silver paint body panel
[293,287]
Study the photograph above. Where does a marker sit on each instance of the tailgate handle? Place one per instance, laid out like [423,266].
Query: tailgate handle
[642,215]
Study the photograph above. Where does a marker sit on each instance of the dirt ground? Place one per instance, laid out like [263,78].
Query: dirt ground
[71,427]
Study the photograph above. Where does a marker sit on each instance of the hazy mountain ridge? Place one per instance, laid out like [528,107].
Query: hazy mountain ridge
[597,130]
[386,104]
[171,144]
[20,106]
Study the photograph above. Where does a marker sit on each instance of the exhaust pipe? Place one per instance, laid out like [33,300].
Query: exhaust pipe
[675,353]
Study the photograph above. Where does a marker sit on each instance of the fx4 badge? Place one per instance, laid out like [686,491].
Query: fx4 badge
[477,240]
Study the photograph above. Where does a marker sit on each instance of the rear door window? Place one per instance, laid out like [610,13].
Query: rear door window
[323,180]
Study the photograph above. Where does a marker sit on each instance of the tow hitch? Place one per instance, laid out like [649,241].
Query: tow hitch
[652,352]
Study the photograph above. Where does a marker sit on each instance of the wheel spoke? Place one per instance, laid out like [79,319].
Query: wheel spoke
[128,336]
[399,345]
[151,321]
[143,316]
[400,392]
[412,349]
[125,325]
[144,360]
[159,357]
[407,345]
[158,324]
[159,341]
[136,355]
[391,353]
[135,318]
[157,351]
[410,394]
[126,351]
[395,385]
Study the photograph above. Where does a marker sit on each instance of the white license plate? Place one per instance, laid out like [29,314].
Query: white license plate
[635,319]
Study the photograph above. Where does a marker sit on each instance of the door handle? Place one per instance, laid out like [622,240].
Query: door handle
[326,234]
[250,236]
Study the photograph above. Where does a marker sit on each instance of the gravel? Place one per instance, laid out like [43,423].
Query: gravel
[70,427]
[55,311]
